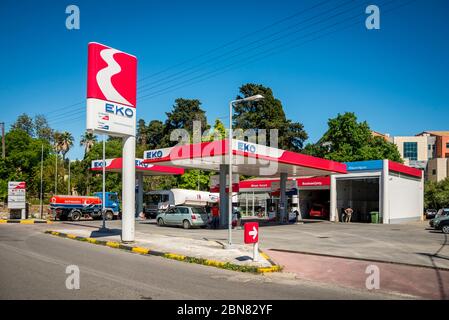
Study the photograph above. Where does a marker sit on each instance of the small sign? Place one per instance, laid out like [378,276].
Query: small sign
[251,232]
[16,194]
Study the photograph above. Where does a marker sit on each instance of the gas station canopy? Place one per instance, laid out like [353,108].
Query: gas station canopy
[116,165]
[249,159]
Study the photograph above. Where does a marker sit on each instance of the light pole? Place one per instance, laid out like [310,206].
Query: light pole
[231,106]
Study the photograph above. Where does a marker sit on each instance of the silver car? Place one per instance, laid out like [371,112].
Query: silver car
[185,216]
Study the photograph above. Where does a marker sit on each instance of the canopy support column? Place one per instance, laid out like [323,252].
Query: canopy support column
[139,193]
[283,197]
[223,197]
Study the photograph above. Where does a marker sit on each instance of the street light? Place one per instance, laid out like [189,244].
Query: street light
[231,105]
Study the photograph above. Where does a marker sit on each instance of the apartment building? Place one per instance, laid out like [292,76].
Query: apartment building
[438,164]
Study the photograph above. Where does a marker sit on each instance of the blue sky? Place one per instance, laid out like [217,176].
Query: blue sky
[396,78]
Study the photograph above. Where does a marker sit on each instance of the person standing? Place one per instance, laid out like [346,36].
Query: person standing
[348,214]
[215,216]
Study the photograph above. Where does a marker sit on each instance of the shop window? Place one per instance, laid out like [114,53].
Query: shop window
[411,150]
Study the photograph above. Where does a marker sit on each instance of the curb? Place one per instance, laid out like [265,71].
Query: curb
[172,256]
[25,221]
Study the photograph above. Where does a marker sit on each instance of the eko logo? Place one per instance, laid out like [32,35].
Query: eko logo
[154,154]
[141,164]
[246,147]
[119,110]
[111,75]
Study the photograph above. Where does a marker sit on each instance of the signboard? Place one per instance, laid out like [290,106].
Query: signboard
[111,91]
[97,164]
[251,232]
[16,195]
[364,165]
[289,185]
[214,181]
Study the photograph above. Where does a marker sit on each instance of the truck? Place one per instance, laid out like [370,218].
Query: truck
[74,208]
[154,201]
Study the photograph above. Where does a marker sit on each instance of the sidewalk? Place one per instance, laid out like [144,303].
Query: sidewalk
[420,282]
[239,255]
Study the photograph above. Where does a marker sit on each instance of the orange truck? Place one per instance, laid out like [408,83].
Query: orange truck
[74,208]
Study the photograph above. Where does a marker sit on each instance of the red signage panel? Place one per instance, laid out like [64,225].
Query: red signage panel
[251,231]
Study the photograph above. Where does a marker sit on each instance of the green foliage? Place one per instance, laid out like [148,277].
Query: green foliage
[436,194]
[25,123]
[195,180]
[267,114]
[183,115]
[349,140]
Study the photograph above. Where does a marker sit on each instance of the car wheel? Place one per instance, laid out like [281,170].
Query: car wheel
[76,216]
[109,215]
[186,224]
[160,222]
[445,229]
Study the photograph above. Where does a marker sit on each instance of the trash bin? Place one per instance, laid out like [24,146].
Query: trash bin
[374,216]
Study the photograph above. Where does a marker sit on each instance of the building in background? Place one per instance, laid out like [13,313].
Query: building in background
[413,149]
[428,151]
[437,166]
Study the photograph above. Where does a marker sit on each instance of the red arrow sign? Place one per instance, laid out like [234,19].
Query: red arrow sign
[251,232]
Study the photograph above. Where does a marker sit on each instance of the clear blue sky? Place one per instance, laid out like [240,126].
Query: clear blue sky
[396,78]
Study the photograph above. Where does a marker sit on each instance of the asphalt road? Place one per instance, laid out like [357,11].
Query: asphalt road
[33,266]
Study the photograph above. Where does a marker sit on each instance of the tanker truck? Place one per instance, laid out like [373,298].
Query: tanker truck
[74,208]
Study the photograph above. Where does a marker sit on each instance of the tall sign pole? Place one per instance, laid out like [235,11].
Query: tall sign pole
[3,139]
[42,171]
[111,110]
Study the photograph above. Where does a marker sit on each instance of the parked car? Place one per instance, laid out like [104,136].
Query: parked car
[441,220]
[318,211]
[185,216]
[431,213]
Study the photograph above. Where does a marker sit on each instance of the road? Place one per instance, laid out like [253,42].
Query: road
[33,266]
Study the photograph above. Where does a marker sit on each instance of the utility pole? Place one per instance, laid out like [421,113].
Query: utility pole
[42,170]
[3,139]
[68,187]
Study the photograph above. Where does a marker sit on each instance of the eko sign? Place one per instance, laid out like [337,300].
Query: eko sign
[111,91]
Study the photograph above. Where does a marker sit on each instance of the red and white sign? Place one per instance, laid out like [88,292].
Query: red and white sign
[251,231]
[16,194]
[111,91]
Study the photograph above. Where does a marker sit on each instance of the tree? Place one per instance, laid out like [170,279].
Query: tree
[195,180]
[41,128]
[142,133]
[349,140]
[218,132]
[436,194]
[267,114]
[88,139]
[184,113]
[65,143]
[23,157]
[155,133]
[24,122]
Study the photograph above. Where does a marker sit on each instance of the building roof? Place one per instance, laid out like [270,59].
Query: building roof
[435,133]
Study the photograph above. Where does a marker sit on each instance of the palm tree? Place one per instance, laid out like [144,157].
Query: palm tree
[88,140]
[65,142]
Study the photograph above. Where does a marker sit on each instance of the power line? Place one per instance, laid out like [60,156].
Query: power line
[160,81]
[298,13]
[248,60]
